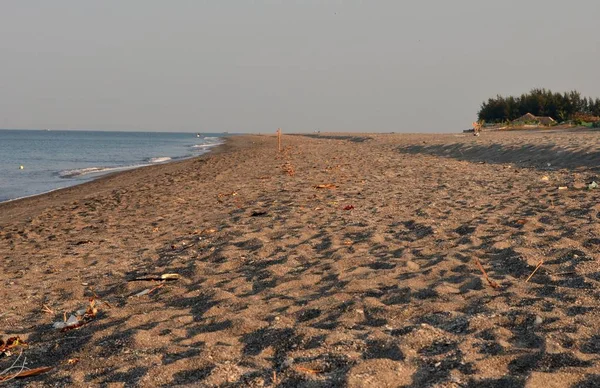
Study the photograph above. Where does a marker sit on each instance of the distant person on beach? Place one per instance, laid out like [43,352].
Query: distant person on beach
[476,128]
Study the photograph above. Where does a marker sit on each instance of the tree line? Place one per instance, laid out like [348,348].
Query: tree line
[540,102]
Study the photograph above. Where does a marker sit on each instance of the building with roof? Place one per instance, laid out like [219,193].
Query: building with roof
[530,119]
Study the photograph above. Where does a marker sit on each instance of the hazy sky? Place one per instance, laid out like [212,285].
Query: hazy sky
[253,66]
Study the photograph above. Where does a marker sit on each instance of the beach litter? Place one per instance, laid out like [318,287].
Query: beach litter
[166,277]
[205,231]
[11,343]
[149,290]
[592,186]
[329,186]
[6,348]
[491,282]
[47,309]
[80,318]
[562,187]
[288,168]
[535,270]
[163,277]
[306,370]
[545,178]
[220,196]
[23,371]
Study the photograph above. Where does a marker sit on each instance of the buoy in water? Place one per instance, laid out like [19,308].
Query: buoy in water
[21,167]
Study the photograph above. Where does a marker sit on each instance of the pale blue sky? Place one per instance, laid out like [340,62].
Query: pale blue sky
[253,66]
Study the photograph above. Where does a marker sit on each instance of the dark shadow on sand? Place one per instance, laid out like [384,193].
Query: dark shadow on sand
[527,155]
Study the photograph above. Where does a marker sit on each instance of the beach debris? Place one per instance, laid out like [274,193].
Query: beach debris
[142,293]
[80,318]
[82,242]
[7,346]
[329,186]
[348,207]
[288,169]
[205,231]
[97,299]
[23,371]
[592,186]
[491,282]
[306,370]
[545,178]
[150,290]
[72,361]
[220,196]
[562,187]
[163,277]
[47,309]
[258,213]
[535,270]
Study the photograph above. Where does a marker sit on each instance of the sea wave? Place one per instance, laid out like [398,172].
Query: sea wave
[208,142]
[93,170]
[205,146]
[160,159]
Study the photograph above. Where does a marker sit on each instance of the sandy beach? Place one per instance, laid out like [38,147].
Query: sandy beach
[346,260]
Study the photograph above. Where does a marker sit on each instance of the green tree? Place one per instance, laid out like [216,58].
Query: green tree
[539,102]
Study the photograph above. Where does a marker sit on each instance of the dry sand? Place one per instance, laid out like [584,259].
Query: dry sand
[280,286]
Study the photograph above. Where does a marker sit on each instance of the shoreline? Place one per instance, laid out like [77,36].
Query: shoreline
[74,190]
[77,169]
[343,261]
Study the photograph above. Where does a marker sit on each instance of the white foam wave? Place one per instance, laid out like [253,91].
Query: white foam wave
[160,159]
[93,170]
[209,142]
[204,146]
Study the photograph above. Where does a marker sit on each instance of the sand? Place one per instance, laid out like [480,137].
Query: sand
[371,283]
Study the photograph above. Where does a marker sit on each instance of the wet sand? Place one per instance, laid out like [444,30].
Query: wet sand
[371,283]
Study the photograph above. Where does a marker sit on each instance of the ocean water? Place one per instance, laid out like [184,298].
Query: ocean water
[52,160]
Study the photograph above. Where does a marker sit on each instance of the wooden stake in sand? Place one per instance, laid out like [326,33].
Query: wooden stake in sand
[279,139]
